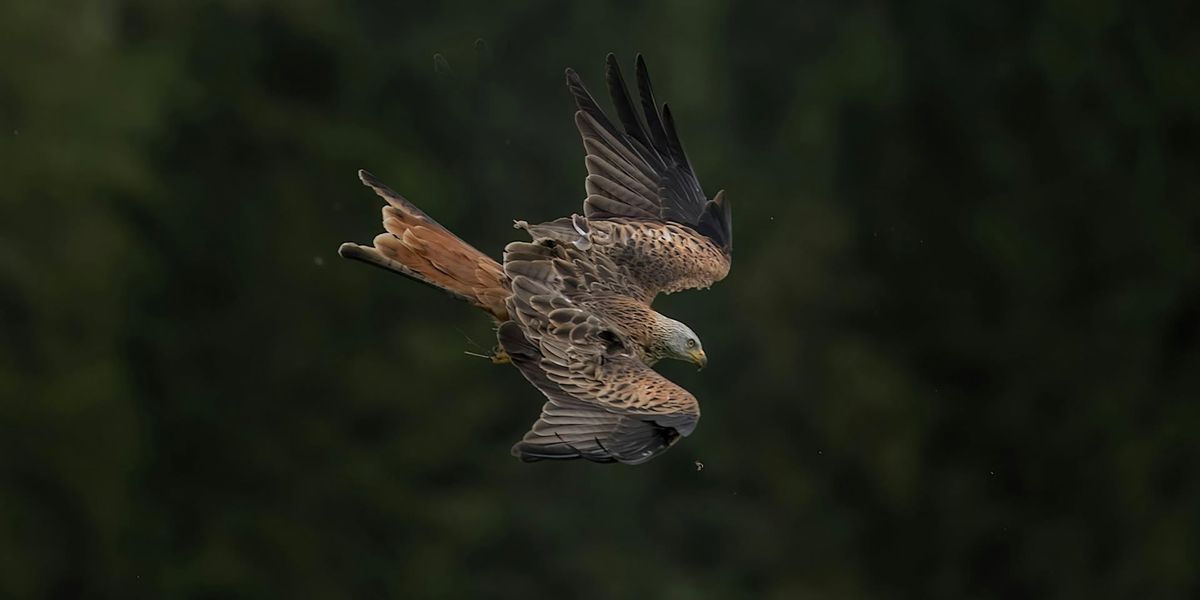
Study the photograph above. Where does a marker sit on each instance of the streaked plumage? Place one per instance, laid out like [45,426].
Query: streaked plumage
[573,305]
[645,208]
[586,346]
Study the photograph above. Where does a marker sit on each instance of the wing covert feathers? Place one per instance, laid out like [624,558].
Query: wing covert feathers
[603,403]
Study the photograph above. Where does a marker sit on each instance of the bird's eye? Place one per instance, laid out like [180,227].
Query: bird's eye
[691,343]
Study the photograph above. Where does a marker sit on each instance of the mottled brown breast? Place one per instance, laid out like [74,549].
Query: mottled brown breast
[634,318]
[664,257]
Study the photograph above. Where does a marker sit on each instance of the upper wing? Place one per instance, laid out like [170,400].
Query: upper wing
[642,173]
[572,272]
[603,403]
[662,257]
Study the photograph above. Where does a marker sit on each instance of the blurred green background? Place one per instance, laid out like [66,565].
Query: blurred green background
[958,355]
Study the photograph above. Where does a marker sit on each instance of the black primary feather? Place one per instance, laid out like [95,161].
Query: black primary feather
[642,168]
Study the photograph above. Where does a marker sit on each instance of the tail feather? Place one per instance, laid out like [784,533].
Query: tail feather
[416,246]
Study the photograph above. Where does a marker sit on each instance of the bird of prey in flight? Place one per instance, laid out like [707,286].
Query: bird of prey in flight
[573,305]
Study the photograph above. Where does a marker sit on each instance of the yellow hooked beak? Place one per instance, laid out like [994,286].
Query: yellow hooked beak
[699,357]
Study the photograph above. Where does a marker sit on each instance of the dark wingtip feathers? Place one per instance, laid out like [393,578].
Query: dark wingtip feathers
[650,133]
[716,222]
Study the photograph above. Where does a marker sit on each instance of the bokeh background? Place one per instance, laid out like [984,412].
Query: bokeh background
[958,355]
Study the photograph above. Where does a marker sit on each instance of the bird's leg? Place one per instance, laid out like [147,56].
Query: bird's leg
[497,355]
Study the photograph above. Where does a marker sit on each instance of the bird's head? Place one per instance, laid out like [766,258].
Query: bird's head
[678,341]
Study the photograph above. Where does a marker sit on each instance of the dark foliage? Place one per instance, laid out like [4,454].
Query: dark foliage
[958,355]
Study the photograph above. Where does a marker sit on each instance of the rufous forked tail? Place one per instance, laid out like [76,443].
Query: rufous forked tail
[415,245]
